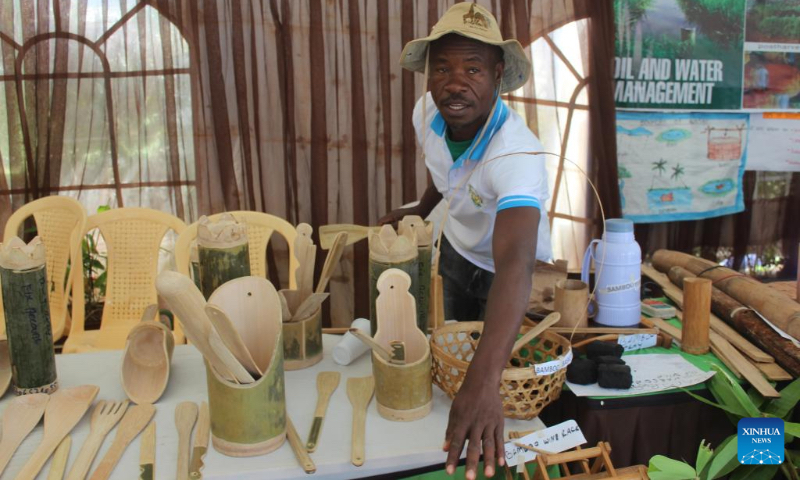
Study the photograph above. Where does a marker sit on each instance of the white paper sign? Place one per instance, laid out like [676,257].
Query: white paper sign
[556,439]
[651,373]
[774,142]
[637,341]
[551,367]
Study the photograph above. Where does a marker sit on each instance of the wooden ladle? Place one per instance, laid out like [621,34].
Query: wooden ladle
[64,410]
[20,417]
[534,332]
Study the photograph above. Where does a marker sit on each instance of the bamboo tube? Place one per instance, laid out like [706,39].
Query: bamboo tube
[223,252]
[746,322]
[389,250]
[775,306]
[696,315]
[423,233]
[27,312]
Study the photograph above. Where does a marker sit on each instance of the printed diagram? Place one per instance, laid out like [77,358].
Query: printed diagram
[761,457]
[725,143]
[680,166]
[670,195]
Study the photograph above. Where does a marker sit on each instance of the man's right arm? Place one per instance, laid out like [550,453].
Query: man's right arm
[430,198]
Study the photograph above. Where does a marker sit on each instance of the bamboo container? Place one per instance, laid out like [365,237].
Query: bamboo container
[194,262]
[223,252]
[571,301]
[302,341]
[423,232]
[27,313]
[388,250]
[696,315]
[404,392]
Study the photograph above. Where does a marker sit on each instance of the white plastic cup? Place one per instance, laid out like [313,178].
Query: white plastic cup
[350,347]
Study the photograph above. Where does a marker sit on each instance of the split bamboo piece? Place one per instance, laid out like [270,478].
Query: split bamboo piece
[697,309]
[774,372]
[775,306]
[136,418]
[231,338]
[327,382]
[223,250]
[5,367]
[20,417]
[185,418]
[297,447]
[64,410]
[745,368]
[59,462]
[355,233]
[423,233]
[331,261]
[104,417]
[305,252]
[675,294]
[359,391]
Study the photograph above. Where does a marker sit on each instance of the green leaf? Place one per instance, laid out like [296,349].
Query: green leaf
[755,472]
[756,397]
[731,410]
[673,468]
[656,475]
[729,393]
[103,208]
[724,460]
[790,396]
[791,428]
[704,454]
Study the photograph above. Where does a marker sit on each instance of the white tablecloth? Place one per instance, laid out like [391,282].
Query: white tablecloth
[390,446]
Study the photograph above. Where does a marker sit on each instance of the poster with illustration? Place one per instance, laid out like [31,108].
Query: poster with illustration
[774,144]
[679,54]
[681,166]
[771,80]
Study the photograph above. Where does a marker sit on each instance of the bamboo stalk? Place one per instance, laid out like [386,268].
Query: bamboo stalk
[697,308]
[223,252]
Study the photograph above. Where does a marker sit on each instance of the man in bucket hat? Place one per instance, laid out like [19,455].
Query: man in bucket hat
[475,150]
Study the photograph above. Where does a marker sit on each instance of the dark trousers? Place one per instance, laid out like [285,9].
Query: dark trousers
[466,286]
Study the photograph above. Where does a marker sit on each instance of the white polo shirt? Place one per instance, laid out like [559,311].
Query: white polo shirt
[484,185]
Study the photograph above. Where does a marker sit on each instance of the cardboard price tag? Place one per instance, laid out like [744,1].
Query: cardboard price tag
[556,439]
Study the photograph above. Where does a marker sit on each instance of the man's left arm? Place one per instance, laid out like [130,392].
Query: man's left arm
[477,414]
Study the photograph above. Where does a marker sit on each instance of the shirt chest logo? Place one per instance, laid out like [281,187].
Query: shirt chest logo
[476,199]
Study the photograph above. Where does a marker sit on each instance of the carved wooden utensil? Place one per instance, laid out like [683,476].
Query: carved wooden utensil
[534,332]
[359,391]
[326,385]
[64,410]
[185,417]
[59,462]
[21,415]
[331,260]
[104,417]
[231,338]
[136,418]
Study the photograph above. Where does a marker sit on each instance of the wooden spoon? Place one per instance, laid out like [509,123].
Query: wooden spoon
[231,338]
[534,332]
[359,391]
[64,410]
[326,385]
[136,418]
[355,233]
[241,375]
[5,367]
[59,462]
[375,346]
[21,415]
[331,260]
[185,417]
[104,417]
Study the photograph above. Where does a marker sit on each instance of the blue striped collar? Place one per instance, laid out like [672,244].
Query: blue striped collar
[439,127]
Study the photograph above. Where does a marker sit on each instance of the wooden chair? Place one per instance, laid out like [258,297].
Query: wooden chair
[260,227]
[133,239]
[60,222]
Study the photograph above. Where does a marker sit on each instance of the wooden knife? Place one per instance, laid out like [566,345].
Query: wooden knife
[147,453]
[200,442]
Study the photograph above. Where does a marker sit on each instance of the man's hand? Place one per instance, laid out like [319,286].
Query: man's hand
[476,417]
[396,215]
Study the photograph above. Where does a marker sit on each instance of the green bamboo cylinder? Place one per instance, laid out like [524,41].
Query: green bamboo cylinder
[423,295]
[27,315]
[302,342]
[248,420]
[194,262]
[223,252]
[376,268]
[403,392]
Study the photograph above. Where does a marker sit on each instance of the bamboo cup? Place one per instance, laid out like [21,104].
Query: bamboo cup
[696,315]
[571,297]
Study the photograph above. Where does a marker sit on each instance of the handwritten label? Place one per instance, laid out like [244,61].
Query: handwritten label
[555,439]
[637,341]
[551,367]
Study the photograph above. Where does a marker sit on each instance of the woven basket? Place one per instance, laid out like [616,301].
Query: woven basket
[524,393]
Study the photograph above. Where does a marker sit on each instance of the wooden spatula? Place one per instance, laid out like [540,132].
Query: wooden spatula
[309,306]
[375,346]
[326,385]
[297,447]
[59,462]
[104,417]
[136,418]
[534,332]
[64,410]
[185,418]
[355,233]
[5,367]
[231,338]
[331,260]
[19,418]
[359,391]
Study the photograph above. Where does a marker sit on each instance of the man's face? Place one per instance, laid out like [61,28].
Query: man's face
[464,76]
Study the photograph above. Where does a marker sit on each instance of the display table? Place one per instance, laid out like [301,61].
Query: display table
[390,446]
